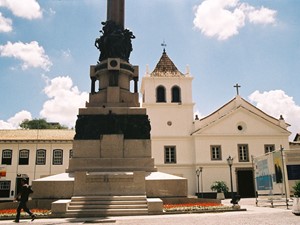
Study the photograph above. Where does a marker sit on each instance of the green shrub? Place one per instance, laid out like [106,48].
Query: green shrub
[296,188]
[219,186]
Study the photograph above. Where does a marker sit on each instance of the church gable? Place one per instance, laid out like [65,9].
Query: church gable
[231,106]
[241,121]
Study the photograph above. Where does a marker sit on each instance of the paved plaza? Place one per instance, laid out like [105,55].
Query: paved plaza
[262,215]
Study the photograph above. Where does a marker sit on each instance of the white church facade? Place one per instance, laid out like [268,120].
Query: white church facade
[181,143]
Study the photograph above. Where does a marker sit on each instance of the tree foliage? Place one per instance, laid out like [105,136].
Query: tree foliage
[40,124]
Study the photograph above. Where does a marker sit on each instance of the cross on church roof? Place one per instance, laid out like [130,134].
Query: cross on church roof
[237,86]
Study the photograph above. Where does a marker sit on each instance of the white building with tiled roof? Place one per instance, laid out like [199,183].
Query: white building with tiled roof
[32,154]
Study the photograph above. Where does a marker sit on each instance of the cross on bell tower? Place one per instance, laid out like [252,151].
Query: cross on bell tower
[164,45]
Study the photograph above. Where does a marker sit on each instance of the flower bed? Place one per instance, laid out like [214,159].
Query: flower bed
[167,208]
[12,213]
[195,207]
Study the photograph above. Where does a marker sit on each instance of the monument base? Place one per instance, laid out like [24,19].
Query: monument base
[110,206]
[62,186]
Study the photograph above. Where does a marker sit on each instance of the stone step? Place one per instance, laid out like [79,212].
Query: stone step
[107,205]
[106,212]
[98,206]
[103,202]
[110,198]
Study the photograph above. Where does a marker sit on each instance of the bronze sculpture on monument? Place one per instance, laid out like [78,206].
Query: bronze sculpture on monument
[115,41]
[112,171]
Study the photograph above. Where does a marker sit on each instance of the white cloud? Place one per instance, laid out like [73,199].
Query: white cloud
[19,118]
[5,125]
[276,103]
[262,16]
[219,18]
[28,9]
[5,24]
[62,106]
[223,18]
[64,101]
[31,54]
[16,120]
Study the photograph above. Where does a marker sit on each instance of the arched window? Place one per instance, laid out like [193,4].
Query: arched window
[24,157]
[6,157]
[176,97]
[160,94]
[41,157]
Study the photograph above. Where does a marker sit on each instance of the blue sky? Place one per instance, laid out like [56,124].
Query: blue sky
[47,46]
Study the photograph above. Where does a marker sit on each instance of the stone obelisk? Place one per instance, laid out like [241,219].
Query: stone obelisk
[116,11]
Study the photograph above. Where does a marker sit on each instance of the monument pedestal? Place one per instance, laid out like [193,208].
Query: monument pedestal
[111,153]
[109,183]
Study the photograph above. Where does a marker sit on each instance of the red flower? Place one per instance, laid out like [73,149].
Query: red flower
[204,204]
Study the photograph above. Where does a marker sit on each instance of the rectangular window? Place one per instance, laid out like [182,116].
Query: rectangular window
[6,157]
[41,157]
[57,157]
[243,153]
[269,148]
[23,157]
[215,151]
[170,154]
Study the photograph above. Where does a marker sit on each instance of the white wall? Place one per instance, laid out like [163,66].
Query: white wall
[32,170]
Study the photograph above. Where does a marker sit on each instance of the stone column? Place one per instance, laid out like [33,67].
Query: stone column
[115,11]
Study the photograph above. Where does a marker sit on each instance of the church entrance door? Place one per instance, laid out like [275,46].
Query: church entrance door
[245,182]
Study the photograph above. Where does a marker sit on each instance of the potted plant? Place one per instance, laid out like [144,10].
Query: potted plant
[296,202]
[220,187]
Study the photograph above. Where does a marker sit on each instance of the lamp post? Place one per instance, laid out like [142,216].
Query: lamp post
[201,180]
[198,171]
[230,162]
